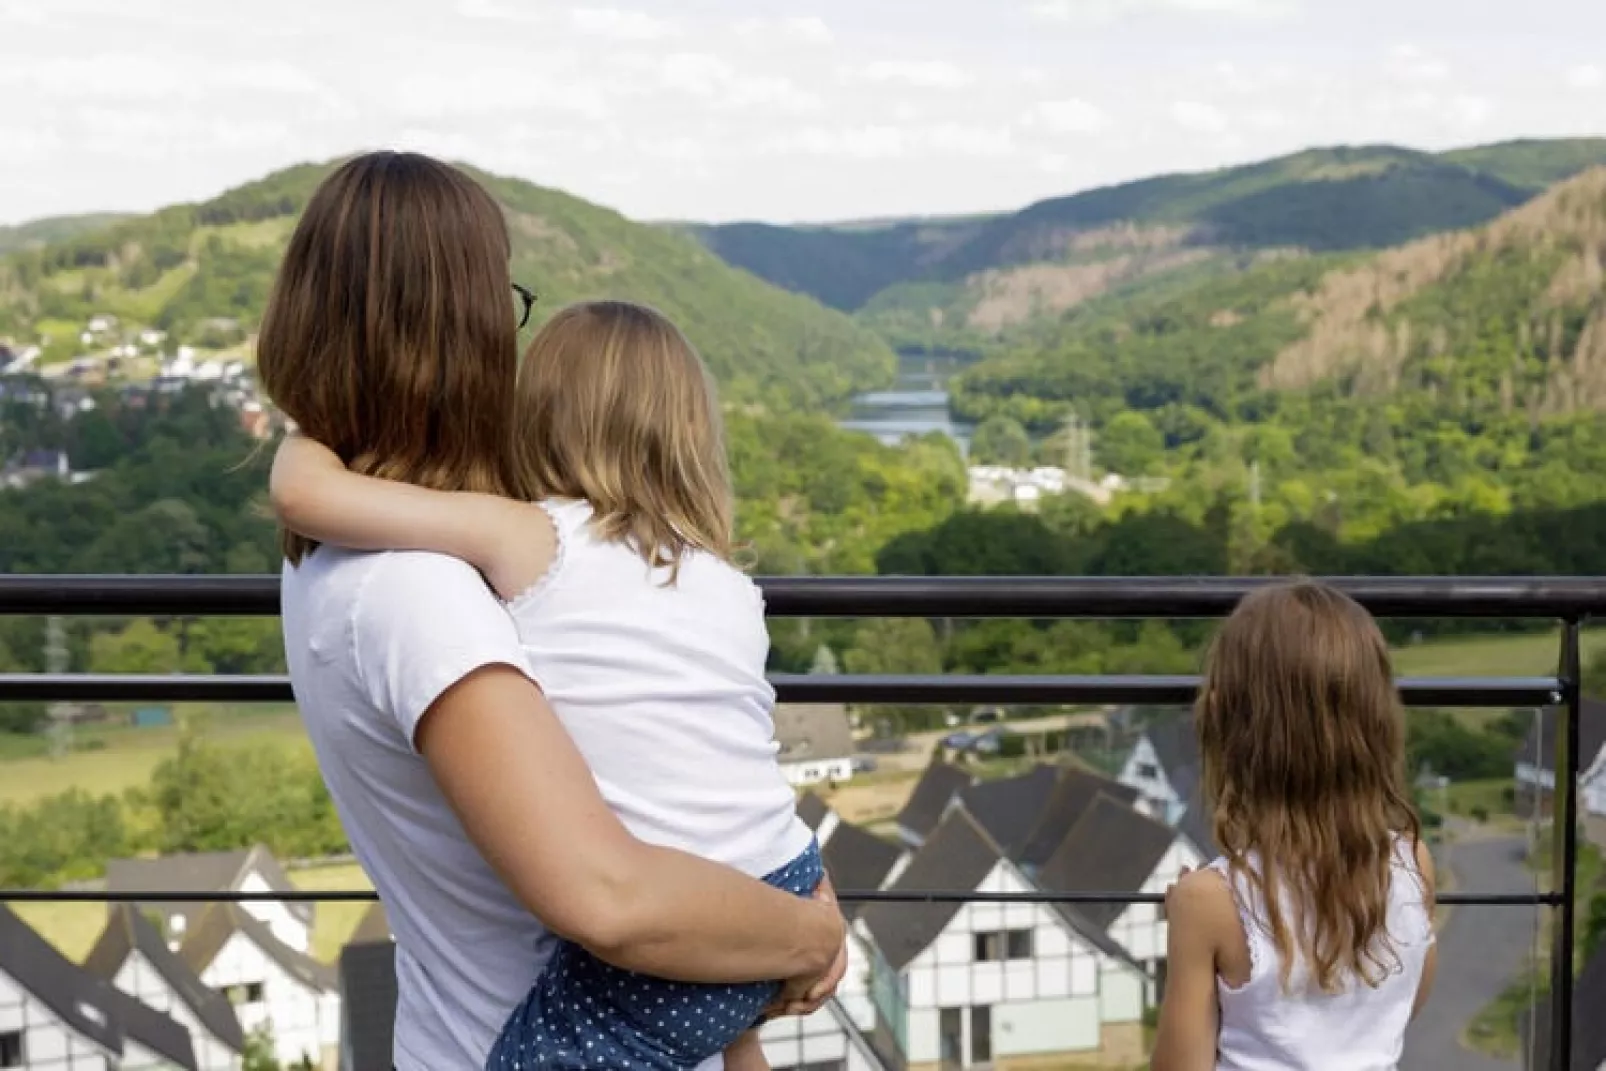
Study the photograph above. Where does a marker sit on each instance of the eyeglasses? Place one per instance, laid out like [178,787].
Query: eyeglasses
[528,297]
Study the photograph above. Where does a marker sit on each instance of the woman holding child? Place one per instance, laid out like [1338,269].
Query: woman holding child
[557,791]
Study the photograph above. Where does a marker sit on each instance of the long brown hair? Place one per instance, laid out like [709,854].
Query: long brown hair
[616,408]
[1303,742]
[390,335]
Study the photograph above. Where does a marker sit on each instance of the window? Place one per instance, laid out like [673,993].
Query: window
[1001,945]
[1148,771]
[244,993]
[11,1054]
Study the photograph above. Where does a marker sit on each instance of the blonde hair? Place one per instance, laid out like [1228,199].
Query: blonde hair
[1303,742]
[618,409]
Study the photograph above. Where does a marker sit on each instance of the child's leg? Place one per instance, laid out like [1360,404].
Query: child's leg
[746,1054]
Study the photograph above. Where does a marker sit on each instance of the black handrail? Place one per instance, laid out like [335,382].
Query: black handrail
[1564,598]
[1568,599]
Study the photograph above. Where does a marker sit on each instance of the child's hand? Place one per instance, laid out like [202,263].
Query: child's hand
[515,544]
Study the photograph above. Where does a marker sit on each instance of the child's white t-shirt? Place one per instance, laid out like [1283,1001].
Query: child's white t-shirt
[663,689]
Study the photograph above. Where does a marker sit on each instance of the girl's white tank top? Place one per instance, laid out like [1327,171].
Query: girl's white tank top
[1361,1027]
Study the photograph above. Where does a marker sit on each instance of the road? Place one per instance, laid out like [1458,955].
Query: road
[1480,950]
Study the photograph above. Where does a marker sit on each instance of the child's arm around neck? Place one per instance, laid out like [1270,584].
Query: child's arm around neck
[512,543]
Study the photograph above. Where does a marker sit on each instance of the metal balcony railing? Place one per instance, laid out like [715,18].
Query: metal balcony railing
[1568,600]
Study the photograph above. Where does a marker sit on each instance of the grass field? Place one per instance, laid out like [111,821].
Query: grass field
[1529,655]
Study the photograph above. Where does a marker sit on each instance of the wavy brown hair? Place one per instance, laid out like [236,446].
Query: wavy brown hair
[390,335]
[617,409]
[1303,742]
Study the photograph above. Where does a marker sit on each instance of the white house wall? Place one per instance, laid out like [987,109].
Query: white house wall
[854,992]
[1139,929]
[48,1044]
[144,983]
[794,1042]
[290,1011]
[817,770]
[1144,773]
[276,915]
[137,1057]
[1049,1002]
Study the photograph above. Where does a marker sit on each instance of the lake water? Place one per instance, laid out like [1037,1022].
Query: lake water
[916,404]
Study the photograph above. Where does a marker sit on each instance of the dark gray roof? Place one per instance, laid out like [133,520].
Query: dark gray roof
[127,930]
[1589,1026]
[1071,799]
[1540,742]
[813,731]
[812,809]
[200,872]
[368,1004]
[1010,809]
[77,997]
[219,922]
[857,860]
[957,857]
[144,1025]
[932,794]
[1112,848]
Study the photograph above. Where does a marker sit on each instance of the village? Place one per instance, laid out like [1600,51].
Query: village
[1014,984]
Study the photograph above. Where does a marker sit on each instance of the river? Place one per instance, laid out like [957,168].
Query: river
[916,404]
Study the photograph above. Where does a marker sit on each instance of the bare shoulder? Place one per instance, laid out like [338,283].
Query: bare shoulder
[1202,897]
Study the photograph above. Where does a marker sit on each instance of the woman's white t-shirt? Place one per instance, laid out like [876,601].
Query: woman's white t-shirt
[373,639]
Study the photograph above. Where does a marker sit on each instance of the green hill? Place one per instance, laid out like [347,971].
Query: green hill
[201,272]
[39,232]
[958,284]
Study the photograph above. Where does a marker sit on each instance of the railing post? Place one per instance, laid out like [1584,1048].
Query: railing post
[1564,853]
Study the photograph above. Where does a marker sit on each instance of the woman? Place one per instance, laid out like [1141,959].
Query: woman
[391,338]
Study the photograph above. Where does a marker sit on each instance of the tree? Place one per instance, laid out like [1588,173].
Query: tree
[898,646]
[141,647]
[1130,444]
[259,1054]
[1001,440]
[1594,682]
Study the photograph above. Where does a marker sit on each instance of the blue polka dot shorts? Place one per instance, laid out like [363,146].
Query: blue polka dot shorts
[585,1015]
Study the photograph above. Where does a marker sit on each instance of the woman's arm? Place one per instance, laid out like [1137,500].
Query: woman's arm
[1197,908]
[528,802]
[511,543]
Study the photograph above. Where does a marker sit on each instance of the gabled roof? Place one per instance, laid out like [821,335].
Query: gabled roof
[1589,1026]
[1176,748]
[219,922]
[859,860]
[812,809]
[1072,797]
[957,857]
[200,872]
[1540,743]
[373,929]
[161,1034]
[936,789]
[368,1004]
[1112,848]
[809,732]
[77,997]
[128,930]
[1010,809]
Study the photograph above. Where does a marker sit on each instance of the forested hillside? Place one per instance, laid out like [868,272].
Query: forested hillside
[202,273]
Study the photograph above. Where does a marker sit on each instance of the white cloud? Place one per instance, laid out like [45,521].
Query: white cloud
[1586,76]
[926,74]
[1412,64]
[873,142]
[1070,116]
[621,25]
[1199,116]
[707,76]
[809,29]
[1468,111]
[1104,11]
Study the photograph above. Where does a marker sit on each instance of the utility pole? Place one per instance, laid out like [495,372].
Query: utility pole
[1254,484]
[60,713]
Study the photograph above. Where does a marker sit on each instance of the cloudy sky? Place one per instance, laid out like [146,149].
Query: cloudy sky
[752,109]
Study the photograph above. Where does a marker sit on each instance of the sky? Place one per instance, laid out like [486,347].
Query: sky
[808,110]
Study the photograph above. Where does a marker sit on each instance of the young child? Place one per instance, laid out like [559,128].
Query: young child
[648,643]
[1308,946]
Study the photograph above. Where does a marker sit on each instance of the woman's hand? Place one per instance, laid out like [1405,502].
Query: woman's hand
[805,996]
